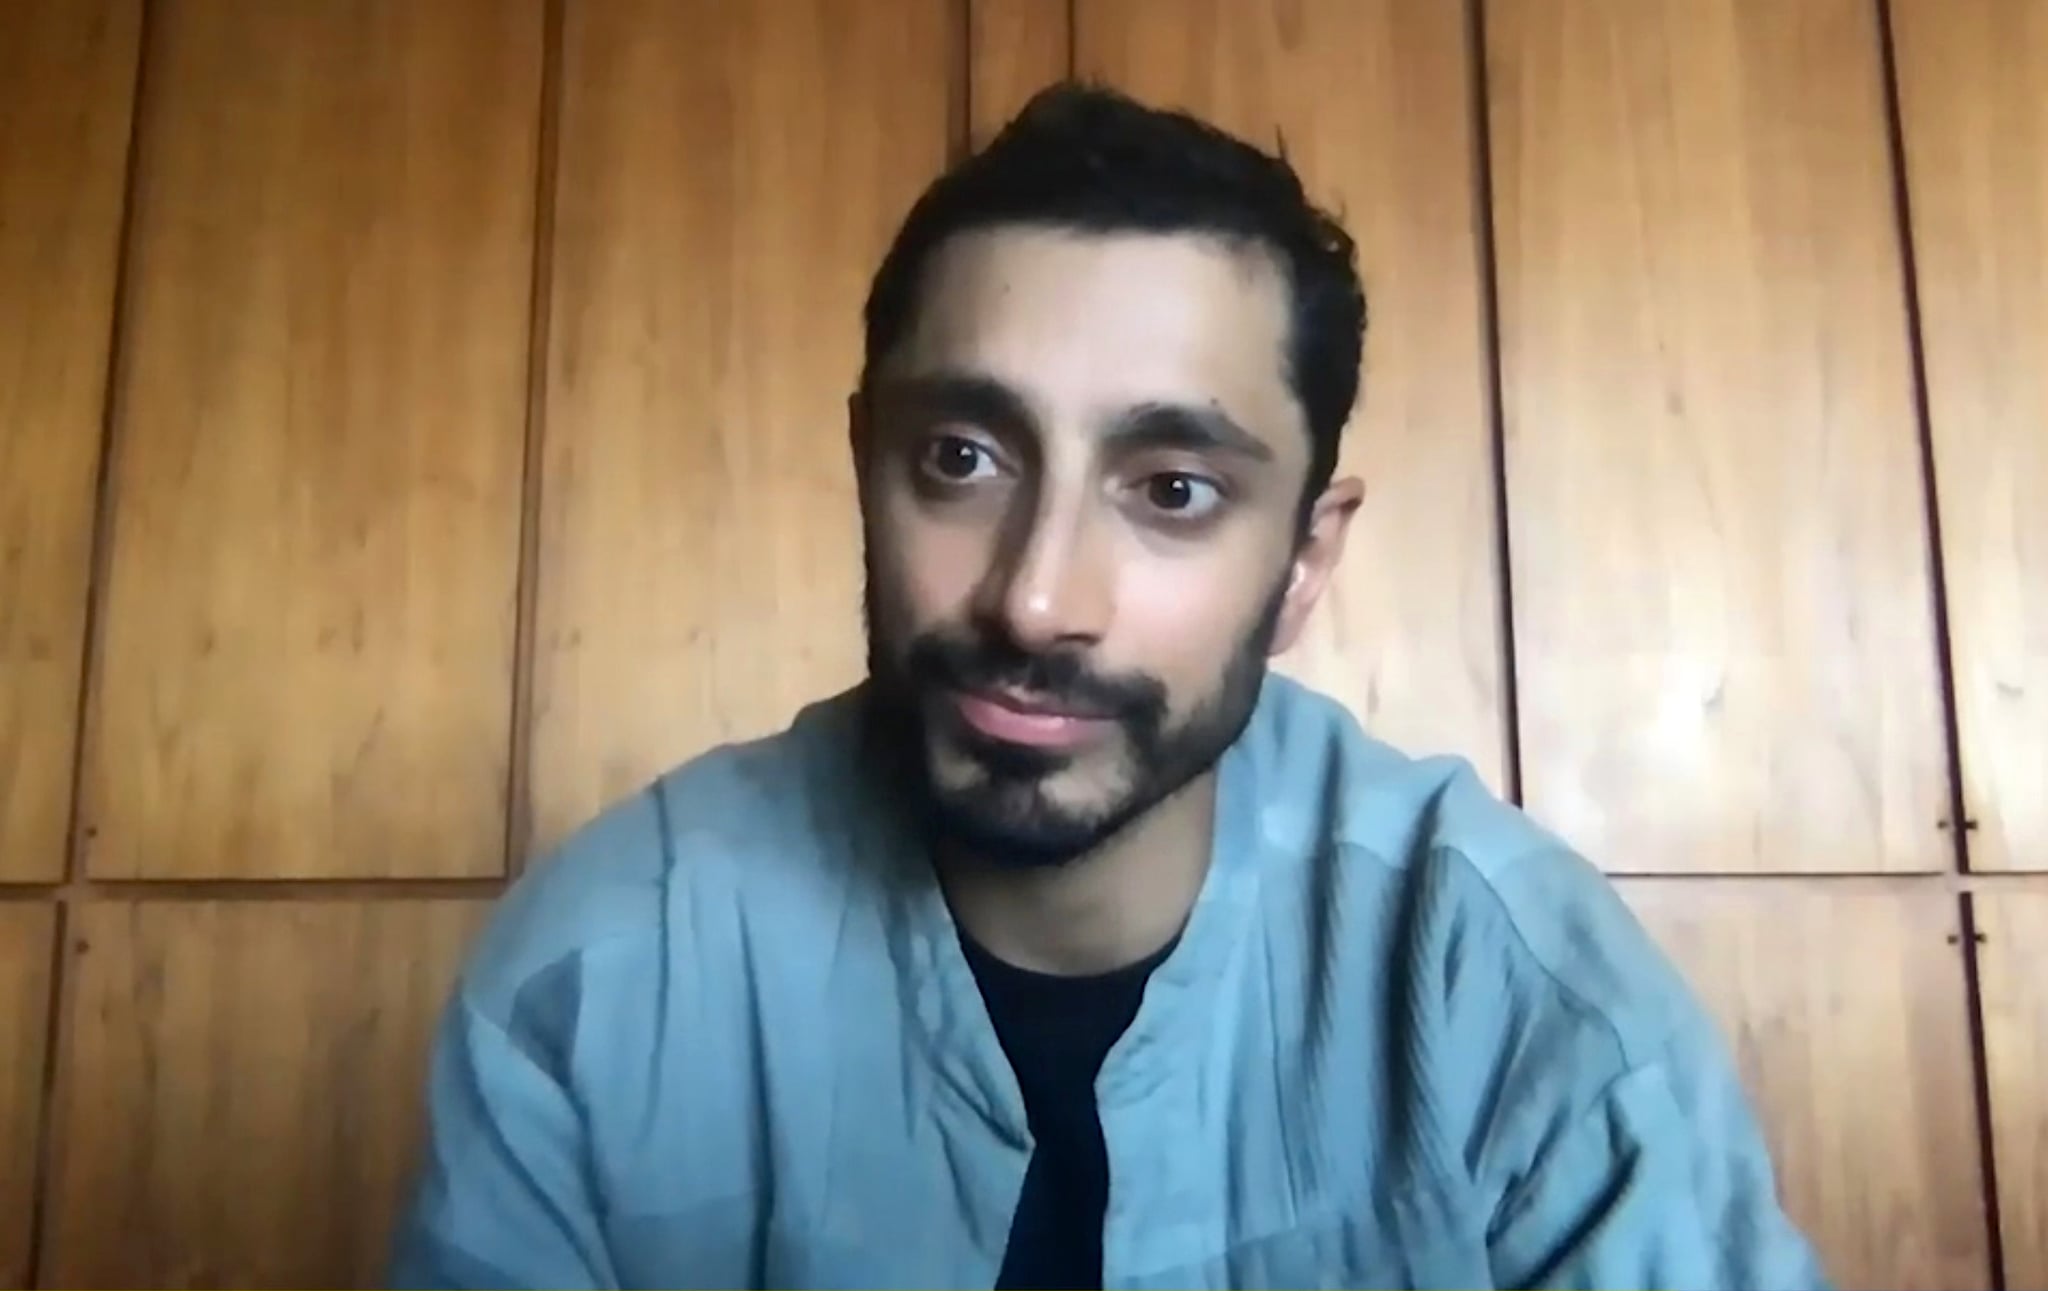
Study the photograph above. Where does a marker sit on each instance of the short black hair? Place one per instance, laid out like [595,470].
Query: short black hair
[1088,158]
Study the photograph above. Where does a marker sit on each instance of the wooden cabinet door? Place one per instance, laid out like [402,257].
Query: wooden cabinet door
[67,81]
[1725,652]
[730,174]
[1973,102]
[308,624]
[1846,1009]
[244,1088]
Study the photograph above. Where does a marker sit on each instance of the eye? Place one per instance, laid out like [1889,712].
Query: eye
[956,459]
[1181,495]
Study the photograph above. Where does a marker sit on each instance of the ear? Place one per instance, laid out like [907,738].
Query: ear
[1316,558]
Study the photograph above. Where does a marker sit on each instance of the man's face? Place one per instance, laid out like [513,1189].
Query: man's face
[1081,471]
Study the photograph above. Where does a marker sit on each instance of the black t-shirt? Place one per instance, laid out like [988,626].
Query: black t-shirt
[1056,1031]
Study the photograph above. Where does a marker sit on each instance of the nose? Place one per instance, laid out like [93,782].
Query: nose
[1050,584]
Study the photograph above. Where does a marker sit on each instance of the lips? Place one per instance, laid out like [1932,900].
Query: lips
[1017,719]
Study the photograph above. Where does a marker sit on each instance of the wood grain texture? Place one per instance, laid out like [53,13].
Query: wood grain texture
[1722,597]
[309,621]
[242,1098]
[1846,1009]
[729,177]
[1973,99]
[1371,98]
[25,932]
[67,78]
[1014,49]
[2013,975]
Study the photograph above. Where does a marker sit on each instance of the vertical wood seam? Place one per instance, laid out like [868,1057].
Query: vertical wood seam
[57,990]
[107,482]
[1957,808]
[518,814]
[62,984]
[1480,128]
[1980,1072]
[960,82]
[1916,357]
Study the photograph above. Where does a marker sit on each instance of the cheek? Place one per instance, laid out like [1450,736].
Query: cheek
[1183,623]
[928,569]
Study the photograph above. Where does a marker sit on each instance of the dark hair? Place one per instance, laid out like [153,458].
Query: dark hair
[1087,158]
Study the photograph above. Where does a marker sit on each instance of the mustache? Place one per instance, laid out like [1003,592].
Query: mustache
[1062,677]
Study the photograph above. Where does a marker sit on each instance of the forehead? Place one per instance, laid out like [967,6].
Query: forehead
[1081,325]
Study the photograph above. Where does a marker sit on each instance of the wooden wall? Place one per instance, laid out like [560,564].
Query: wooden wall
[420,423]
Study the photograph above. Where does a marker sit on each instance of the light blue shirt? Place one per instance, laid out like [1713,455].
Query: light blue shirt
[727,1038]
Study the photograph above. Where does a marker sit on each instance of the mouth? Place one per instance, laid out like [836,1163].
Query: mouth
[1014,718]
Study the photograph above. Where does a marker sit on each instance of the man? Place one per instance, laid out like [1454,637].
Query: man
[1073,949]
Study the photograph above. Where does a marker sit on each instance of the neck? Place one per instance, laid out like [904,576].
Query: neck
[1111,907]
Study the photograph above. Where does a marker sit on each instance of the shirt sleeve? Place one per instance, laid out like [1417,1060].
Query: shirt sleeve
[1654,1185]
[503,1198]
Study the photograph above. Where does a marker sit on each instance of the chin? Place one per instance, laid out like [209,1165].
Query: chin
[1010,839]
[1026,824]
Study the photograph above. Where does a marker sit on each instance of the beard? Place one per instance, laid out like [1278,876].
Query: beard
[1003,810]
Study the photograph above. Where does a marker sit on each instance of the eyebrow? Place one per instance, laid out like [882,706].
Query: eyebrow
[1190,429]
[968,396]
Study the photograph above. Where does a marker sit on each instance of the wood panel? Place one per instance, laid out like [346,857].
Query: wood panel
[730,175]
[25,932]
[2013,975]
[241,1101]
[1973,98]
[1372,100]
[67,77]
[1846,1008]
[1014,49]
[1721,587]
[310,612]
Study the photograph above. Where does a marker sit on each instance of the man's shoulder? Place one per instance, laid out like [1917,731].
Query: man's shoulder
[1475,875]
[696,833]
[1324,784]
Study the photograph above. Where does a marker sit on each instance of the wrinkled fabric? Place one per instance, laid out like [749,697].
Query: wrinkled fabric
[727,1037]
